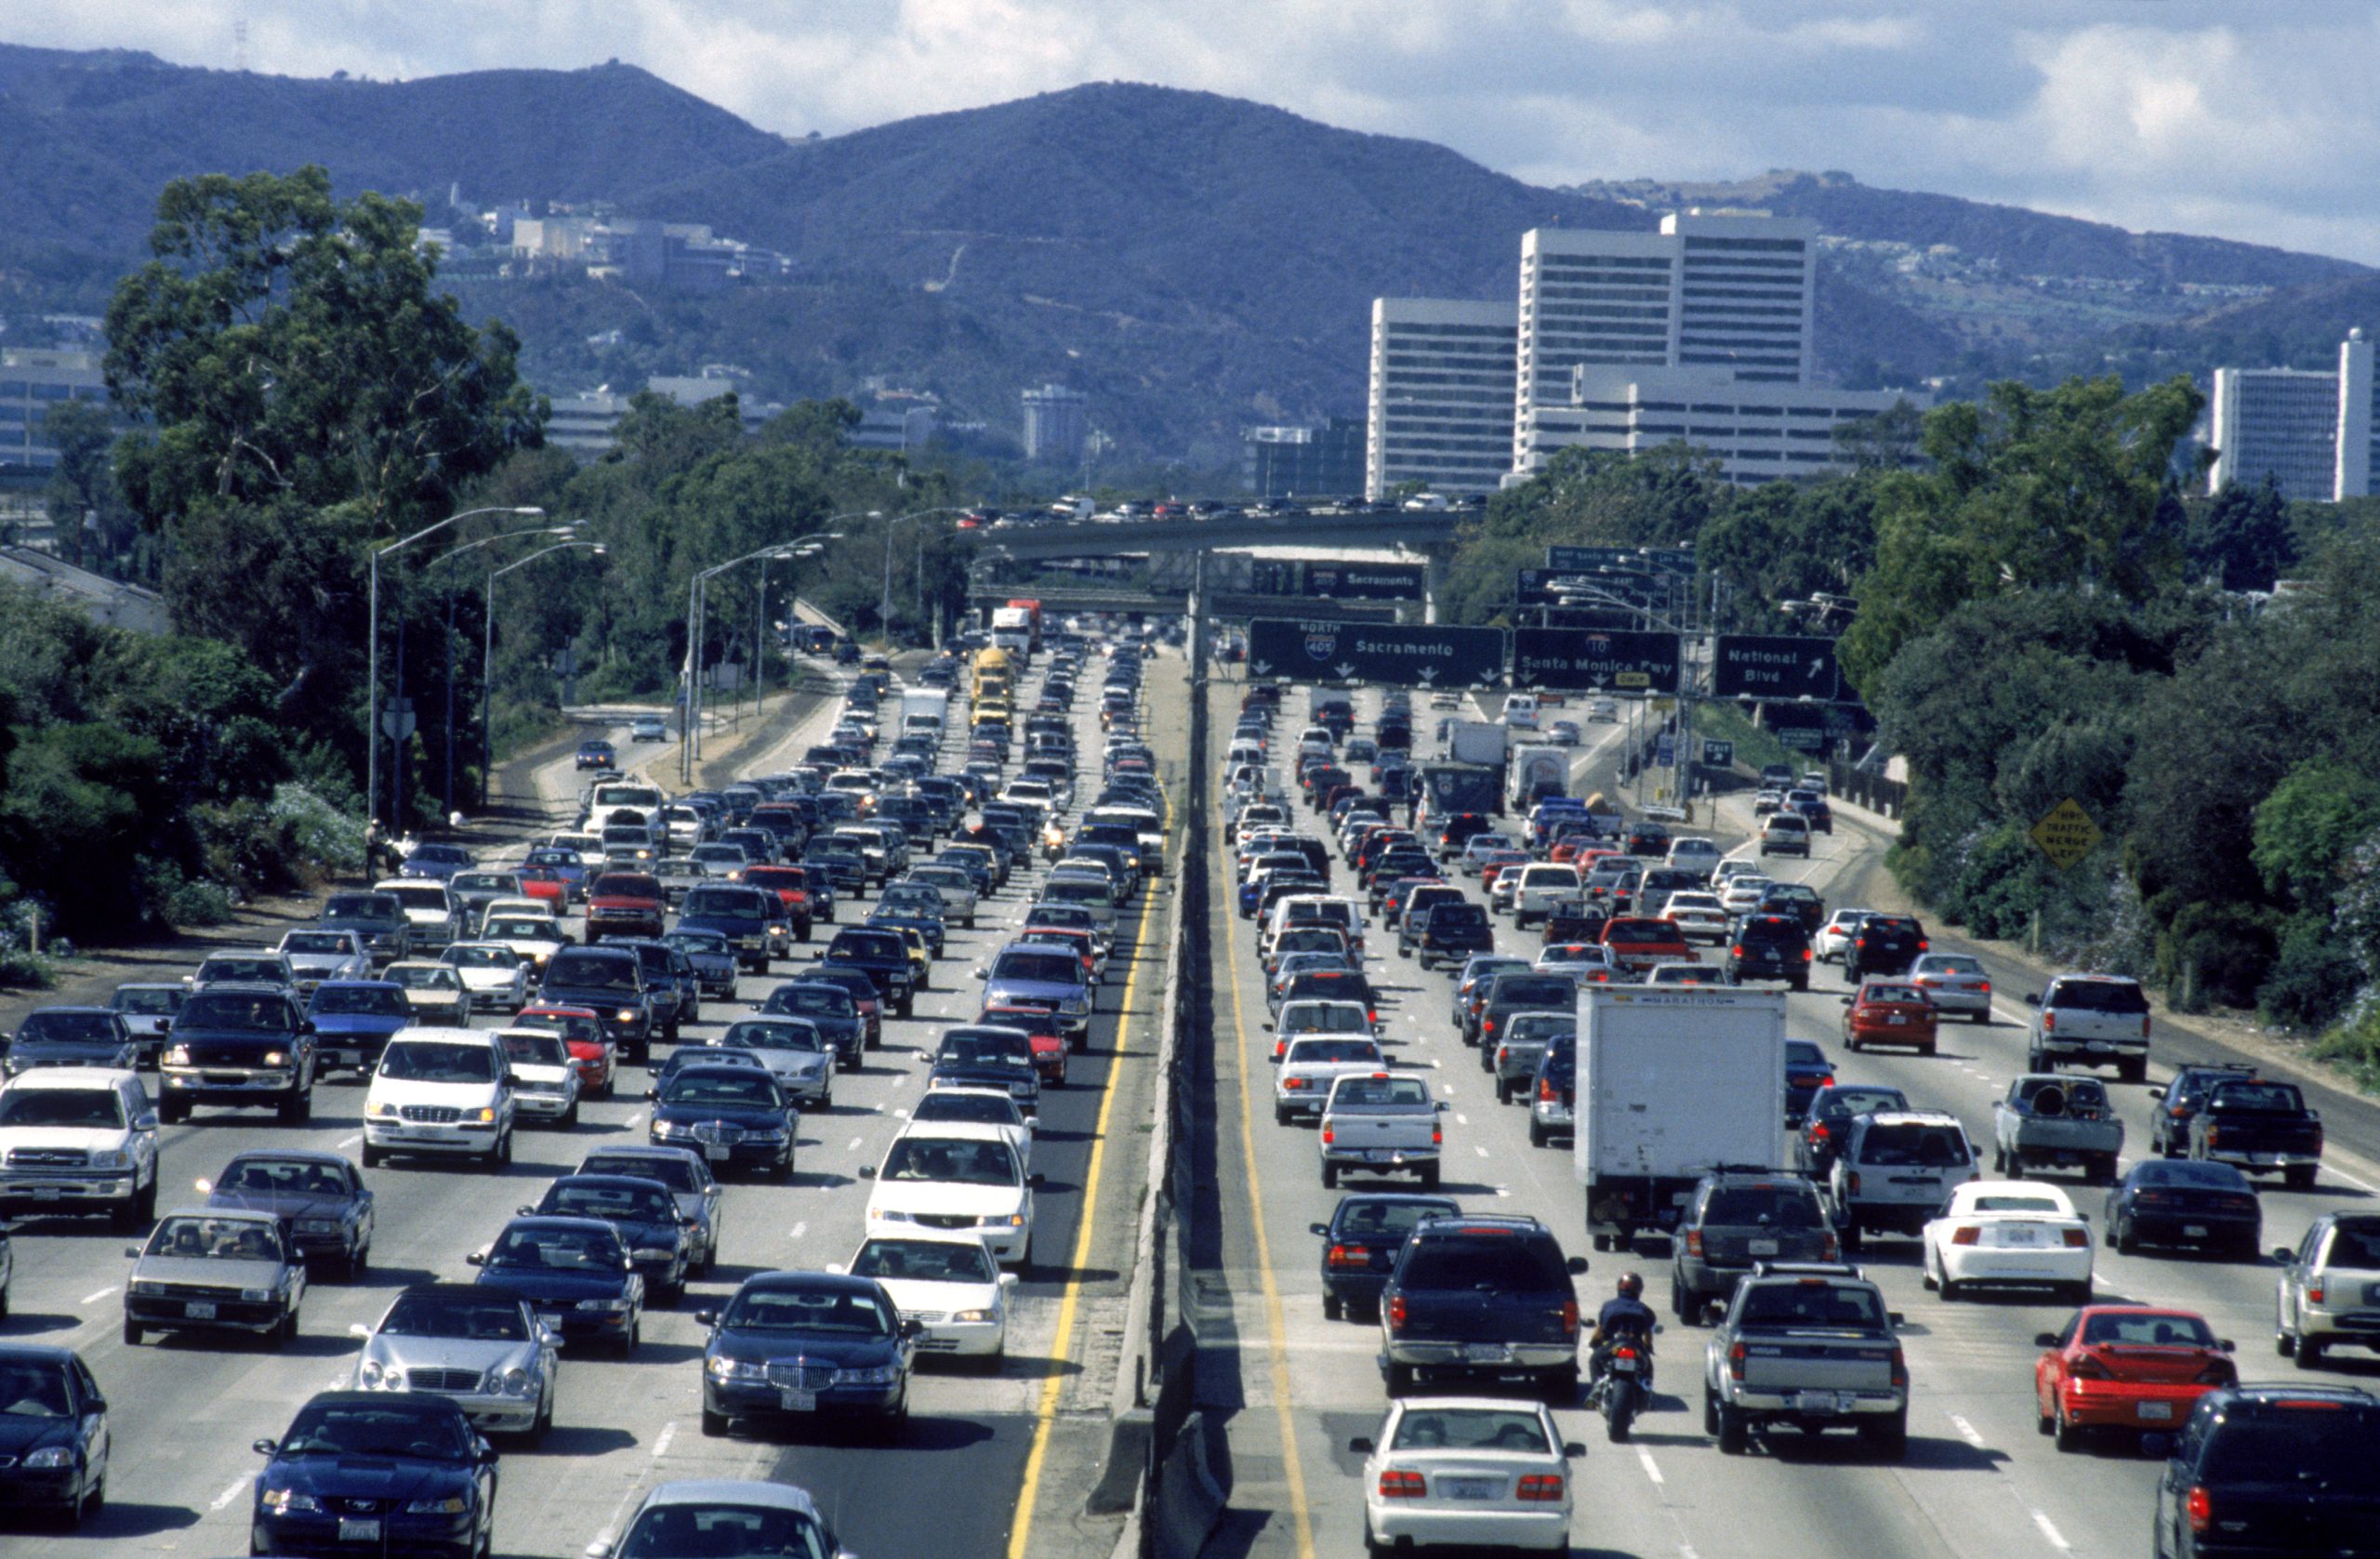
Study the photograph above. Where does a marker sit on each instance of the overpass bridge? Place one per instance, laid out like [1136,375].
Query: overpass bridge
[1062,600]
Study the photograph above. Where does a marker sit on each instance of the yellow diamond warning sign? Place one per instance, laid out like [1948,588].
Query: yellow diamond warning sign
[2066,834]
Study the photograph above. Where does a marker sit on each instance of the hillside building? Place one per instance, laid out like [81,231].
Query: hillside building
[31,382]
[1288,462]
[2281,423]
[1056,421]
[586,423]
[1440,395]
[1758,433]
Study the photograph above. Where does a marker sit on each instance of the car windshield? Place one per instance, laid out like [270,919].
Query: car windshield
[2356,1245]
[1950,963]
[1496,1263]
[534,1050]
[750,1091]
[2298,1447]
[318,941]
[419,1060]
[1052,968]
[33,1389]
[2099,996]
[729,905]
[697,942]
[931,1260]
[1861,1101]
[847,1312]
[262,1014]
[575,1198]
[811,1000]
[984,1050]
[61,1106]
[528,928]
[950,1104]
[1931,1147]
[1874,994]
[950,1160]
[1534,991]
[680,1528]
[1815,1304]
[216,1239]
[753,1035]
[68,1025]
[1471,1429]
[544,1248]
[362,907]
[484,958]
[1379,1092]
[375,1001]
[1774,1206]
[2277,1099]
[149,1003]
[1310,1052]
[396,1429]
[284,1177]
[2045,1206]
[610,972]
[424,977]
[457,1316]
[267,969]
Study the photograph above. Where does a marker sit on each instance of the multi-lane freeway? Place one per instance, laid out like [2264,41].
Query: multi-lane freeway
[1978,1481]
[979,1447]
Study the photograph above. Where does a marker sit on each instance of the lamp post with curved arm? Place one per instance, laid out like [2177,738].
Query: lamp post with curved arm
[487,654]
[884,604]
[697,600]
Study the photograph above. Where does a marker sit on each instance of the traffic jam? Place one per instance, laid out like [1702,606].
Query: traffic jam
[752,1115]
[1560,1089]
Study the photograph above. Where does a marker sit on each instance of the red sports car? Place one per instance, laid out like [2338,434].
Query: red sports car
[2126,1366]
[1888,1013]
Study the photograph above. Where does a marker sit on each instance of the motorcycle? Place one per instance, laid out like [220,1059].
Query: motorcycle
[1624,1388]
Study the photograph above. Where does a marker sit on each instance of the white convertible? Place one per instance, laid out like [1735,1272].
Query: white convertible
[2009,1233]
[1470,1471]
[946,1281]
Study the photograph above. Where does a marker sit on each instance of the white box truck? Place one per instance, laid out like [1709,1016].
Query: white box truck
[1671,1084]
[1537,771]
[925,709]
[1474,741]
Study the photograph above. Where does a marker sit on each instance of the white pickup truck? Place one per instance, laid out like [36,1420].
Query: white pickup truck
[1380,1123]
[1313,1061]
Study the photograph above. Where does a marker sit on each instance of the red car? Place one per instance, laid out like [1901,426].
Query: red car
[625,904]
[1638,941]
[1048,1045]
[790,884]
[1888,1013]
[547,886]
[2126,1366]
[582,1035]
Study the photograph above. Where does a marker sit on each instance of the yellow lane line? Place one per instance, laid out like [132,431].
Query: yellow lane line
[1045,1416]
[1301,1515]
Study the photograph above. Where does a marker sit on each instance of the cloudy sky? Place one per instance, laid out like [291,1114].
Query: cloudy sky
[2256,121]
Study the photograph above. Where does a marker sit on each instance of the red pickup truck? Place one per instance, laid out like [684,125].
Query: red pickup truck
[1637,942]
[625,904]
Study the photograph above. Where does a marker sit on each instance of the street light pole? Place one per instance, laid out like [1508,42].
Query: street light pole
[884,603]
[488,655]
[372,649]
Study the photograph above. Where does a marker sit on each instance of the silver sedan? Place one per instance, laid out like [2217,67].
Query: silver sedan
[484,1351]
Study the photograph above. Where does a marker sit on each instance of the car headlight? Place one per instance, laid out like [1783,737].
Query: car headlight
[652,1253]
[627,1014]
[148,1288]
[318,1225]
[882,1375]
[287,1500]
[370,1373]
[1077,1006]
[604,1306]
[668,1128]
[515,1382]
[775,1136]
[454,1504]
[893,1215]
[255,1296]
[109,1158]
[1002,1221]
[973,1315]
[51,1456]
[382,1111]
[177,1055]
[737,1369]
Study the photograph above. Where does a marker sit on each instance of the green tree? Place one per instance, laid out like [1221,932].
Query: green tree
[2241,538]
[82,485]
[2306,829]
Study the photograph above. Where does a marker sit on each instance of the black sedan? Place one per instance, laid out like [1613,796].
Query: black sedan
[376,1473]
[1360,1244]
[830,1009]
[53,1432]
[596,755]
[325,1209]
[878,952]
[808,1346]
[659,1237]
[2189,1202]
[735,1117]
[575,1273]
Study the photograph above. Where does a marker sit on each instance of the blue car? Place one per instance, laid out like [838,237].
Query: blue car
[734,1116]
[352,1021]
[376,1473]
[658,1237]
[1025,974]
[436,861]
[575,1273]
[320,1198]
[72,1036]
[807,1346]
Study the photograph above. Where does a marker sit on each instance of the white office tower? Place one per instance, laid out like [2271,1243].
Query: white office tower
[2283,423]
[1440,402]
[2359,433]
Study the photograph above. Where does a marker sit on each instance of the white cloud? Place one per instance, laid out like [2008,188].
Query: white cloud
[2250,122]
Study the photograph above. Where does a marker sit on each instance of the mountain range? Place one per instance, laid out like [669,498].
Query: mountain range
[1194,262]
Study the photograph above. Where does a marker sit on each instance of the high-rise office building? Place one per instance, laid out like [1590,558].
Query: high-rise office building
[2359,434]
[1055,423]
[1440,399]
[2281,423]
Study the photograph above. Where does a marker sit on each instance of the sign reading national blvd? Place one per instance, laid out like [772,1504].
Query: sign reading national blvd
[1390,654]
[1775,666]
[1573,660]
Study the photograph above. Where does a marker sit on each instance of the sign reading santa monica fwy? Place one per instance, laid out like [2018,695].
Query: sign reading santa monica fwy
[1572,660]
[1387,654]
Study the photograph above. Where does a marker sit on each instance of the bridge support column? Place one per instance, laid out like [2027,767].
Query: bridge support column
[1434,582]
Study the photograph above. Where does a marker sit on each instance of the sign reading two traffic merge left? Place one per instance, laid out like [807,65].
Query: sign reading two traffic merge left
[1775,666]
[1390,654]
[1572,660]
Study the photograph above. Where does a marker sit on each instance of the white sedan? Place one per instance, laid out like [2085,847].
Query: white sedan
[951,1170]
[1562,732]
[2008,1232]
[1743,894]
[1837,934]
[1466,1471]
[1954,982]
[1697,917]
[945,1280]
[492,971]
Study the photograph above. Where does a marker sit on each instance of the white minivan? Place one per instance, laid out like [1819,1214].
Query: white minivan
[1520,711]
[1541,887]
[441,1093]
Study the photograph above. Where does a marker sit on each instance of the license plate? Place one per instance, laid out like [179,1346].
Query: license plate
[2163,1410]
[798,1401]
[1486,1353]
[1467,1489]
[2020,1236]
[2194,1231]
[1761,1247]
[717,1153]
[1896,1017]
[1624,1366]
[2099,1047]
[359,1529]
[1816,1402]
[199,1310]
[46,1193]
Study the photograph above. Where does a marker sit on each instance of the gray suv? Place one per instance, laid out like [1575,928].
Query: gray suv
[1735,1218]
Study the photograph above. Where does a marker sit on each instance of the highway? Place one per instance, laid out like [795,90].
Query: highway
[184,1409]
[1978,1481]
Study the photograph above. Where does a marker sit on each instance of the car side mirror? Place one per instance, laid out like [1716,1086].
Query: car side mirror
[526,1211]
[1895,1317]
[132,1253]
[2044,1340]
[1361,1445]
[912,1326]
[1575,1266]
[1715,1312]
[2033,999]
[1010,1280]
[476,1259]
[511,1080]
[653,1094]
[1034,1180]
[2227,1345]
[486,1454]
[264,1448]
[598,1550]
[306,1025]
[2282,1254]
[145,1121]
[1321,1229]
[868,1171]
[2156,1093]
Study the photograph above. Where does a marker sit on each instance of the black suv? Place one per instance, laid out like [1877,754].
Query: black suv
[2260,1470]
[1883,944]
[1360,1244]
[1481,1297]
[1449,934]
[1770,947]
[1735,1218]
[2179,1102]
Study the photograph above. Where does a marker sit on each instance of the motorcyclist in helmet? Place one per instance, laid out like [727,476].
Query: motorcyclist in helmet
[1624,1315]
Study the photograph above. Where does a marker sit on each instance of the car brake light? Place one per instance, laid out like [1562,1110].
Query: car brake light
[2200,1508]
[1828,1248]
[1694,1242]
[2049,1022]
[1341,1256]
[1983,987]
[1569,1318]
[1400,1485]
[1900,1366]
[2314,1292]
[1329,1134]
[1537,1487]
[1397,1314]
[2144,1025]
[1735,1362]
[1294,1083]
[1967,1234]
[1806,954]
[1854,1182]
[1438,1135]
[1921,945]
[1820,1132]
[2077,1239]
